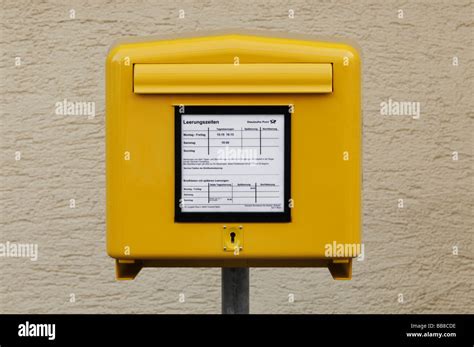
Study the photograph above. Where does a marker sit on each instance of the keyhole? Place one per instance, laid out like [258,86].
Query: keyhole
[232,237]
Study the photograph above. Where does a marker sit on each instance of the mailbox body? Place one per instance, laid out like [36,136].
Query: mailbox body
[146,82]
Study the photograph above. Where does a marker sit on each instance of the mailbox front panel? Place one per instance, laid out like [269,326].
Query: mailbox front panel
[311,93]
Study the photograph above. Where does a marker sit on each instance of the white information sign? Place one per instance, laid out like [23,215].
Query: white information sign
[232,163]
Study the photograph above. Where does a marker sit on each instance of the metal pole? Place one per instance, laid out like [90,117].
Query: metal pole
[235,290]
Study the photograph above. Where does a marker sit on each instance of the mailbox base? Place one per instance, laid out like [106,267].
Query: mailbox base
[128,269]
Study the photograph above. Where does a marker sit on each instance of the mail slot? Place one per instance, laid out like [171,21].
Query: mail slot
[233,151]
[232,79]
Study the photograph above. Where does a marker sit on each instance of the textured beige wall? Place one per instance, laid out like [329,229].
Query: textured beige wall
[409,251]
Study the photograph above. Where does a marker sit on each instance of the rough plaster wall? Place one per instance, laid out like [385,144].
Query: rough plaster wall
[408,251]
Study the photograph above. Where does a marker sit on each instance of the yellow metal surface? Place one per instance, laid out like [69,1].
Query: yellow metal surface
[232,78]
[325,151]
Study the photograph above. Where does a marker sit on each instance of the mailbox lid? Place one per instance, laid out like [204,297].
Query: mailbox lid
[232,78]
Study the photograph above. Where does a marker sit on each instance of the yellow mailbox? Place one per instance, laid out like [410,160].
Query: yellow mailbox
[233,151]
